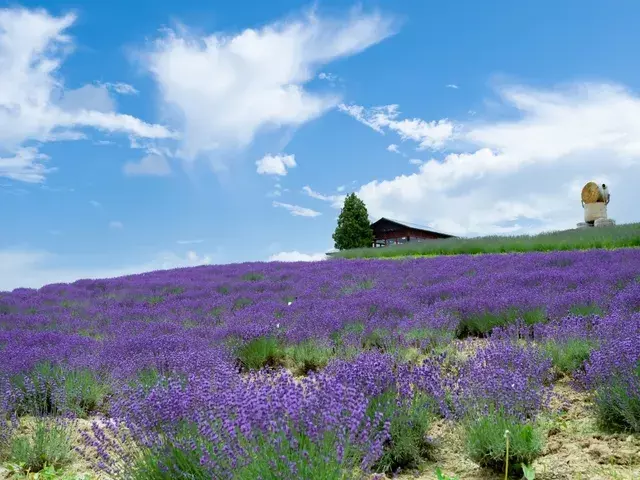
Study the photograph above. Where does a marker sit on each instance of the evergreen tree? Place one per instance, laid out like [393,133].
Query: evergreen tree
[354,229]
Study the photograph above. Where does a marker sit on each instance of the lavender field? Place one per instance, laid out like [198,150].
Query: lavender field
[330,370]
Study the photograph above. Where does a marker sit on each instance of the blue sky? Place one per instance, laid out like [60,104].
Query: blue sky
[144,135]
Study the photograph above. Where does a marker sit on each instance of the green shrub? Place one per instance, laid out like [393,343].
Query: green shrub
[171,463]
[261,352]
[480,325]
[408,355]
[253,277]
[410,419]
[49,444]
[352,328]
[618,404]
[486,442]
[147,378]
[428,338]
[378,339]
[308,356]
[241,303]
[85,392]
[40,391]
[586,310]
[569,356]
[50,388]
[300,459]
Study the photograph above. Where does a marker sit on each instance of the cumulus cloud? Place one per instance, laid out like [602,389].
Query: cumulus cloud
[296,256]
[428,135]
[36,268]
[150,165]
[296,210]
[524,174]
[275,164]
[393,148]
[221,90]
[36,106]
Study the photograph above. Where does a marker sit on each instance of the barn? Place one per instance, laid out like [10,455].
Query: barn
[393,232]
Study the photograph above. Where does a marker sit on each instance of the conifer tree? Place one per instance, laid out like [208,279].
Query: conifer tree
[354,229]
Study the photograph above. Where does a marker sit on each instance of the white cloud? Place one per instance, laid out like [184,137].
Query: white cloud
[34,103]
[95,203]
[222,90]
[34,268]
[150,165]
[452,85]
[525,173]
[191,259]
[393,148]
[296,256]
[121,88]
[115,225]
[341,188]
[432,135]
[296,210]
[275,164]
[26,165]
[329,77]
[337,201]
[415,161]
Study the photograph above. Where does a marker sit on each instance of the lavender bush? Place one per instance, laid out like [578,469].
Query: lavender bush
[613,370]
[318,369]
[264,421]
[505,376]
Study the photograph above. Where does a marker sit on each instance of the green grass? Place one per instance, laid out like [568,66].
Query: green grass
[569,356]
[301,458]
[408,444]
[618,405]
[261,352]
[482,324]
[620,236]
[308,356]
[49,444]
[487,445]
[51,389]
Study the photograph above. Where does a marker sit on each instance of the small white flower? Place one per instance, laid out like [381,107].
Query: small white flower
[277,325]
[289,303]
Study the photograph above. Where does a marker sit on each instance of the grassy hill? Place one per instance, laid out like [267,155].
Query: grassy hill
[620,236]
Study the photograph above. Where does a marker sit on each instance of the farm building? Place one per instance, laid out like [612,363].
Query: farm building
[392,232]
